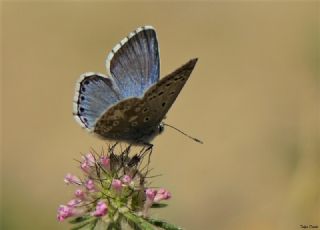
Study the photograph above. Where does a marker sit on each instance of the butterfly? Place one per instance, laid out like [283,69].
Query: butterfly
[130,102]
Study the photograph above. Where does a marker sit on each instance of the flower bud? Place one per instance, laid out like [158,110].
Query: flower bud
[79,193]
[71,179]
[90,185]
[101,209]
[162,194]
[105,162]
[126,179]
[116,184]
[64,212]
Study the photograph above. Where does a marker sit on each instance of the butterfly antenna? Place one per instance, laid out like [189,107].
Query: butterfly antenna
[195,139]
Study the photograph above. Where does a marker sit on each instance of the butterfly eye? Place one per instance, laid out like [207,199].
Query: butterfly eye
[146,119]
[163,104]
[161,128]
[134,123]
[115,123]
[82,98]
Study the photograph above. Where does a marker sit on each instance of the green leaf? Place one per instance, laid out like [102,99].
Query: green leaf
[163,224]
[140,222]
[94,224]
[159,205]
[133,225]
[89,224]
[80,226]
[114,226]
[80,219]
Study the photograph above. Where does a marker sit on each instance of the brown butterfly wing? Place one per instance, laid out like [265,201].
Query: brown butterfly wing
[134,118]
[160,97]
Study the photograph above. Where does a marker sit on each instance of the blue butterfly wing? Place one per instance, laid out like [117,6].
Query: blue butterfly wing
[95,93]
[134,63]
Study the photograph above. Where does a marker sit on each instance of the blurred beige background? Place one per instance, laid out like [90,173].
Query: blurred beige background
[253,99]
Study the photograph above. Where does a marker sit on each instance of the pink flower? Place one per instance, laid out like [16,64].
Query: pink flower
[73,202]
[87,162]
[79,193]
[105,161]
[154,196]
[116,184]
[71,179]
[151,193]
[90,158]
[64,212]
[85,166]
[162,194]
[90,185]
[101,209]
[126,179]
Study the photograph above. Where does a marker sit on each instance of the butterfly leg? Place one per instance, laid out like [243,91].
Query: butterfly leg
[134,161]
[149,146]
[147,149]
[112,146]
[146,146]
[137,157]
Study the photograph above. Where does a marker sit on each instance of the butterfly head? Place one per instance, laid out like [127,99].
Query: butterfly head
[160,128]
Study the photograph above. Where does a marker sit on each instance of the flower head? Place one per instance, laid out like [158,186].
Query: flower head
[106,192]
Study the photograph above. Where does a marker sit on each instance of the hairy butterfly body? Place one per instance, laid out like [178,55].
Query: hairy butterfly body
[130,102]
